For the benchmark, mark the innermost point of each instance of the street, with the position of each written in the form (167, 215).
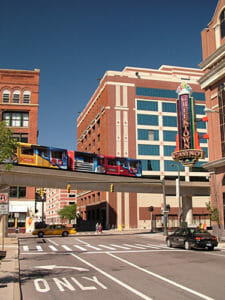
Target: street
(126, 266)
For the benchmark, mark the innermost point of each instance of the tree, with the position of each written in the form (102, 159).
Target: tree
(214, 216)
(7, 145)
(68, 212)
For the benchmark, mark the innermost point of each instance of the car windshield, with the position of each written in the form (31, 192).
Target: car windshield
(197, 231)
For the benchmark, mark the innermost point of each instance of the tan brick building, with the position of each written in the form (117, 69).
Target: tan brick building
(19, 91)
(213, 82)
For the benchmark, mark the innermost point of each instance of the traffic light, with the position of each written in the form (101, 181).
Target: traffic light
(68, 188)
(111, 187)
(41, 192)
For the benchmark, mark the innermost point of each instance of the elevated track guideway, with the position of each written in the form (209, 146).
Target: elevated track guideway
(53, 178)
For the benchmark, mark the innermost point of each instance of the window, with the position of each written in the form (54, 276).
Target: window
(98, 137)
(150, 165)
(98, 124)
(17, 192)
(169, 107)
(57, 154)
(169, 136)
(16, 96)
(148, 135)
(200, 109)
(169, 121)
(148, 149)
(222, 24)
(27, 151)
(21, 137)
(168, 150)
(147, 120)
(26, 97)
(16, 119)
(147, 105)
(5, 96)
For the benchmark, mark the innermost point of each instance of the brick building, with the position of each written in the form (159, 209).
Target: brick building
(19, 91)
(133, 114)
(213, 82)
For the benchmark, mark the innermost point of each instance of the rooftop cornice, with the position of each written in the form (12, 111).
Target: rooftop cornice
(213, 58)
(212, 165)
(212, 76)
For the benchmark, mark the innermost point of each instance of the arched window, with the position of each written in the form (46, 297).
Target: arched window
(26, 97)
(16, 96)
(5, 96)
(222, 24)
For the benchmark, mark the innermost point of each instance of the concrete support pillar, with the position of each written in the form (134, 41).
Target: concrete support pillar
(187, 209)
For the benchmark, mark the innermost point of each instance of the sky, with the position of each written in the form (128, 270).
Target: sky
(74, 42)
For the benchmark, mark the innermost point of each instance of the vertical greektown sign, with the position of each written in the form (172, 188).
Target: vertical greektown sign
(188, 150)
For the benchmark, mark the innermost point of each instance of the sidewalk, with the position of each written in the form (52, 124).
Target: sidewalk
(9, 266)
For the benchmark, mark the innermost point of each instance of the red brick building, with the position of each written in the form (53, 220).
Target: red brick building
(133, 114)
(19, 91)
(213, 82)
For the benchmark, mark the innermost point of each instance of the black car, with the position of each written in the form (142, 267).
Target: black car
(192, 238)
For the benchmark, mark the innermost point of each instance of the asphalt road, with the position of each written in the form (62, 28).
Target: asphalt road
(118, 267)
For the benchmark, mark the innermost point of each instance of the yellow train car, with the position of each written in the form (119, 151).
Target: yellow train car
(41, 156)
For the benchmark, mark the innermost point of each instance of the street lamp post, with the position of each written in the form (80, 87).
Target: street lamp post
(178, 191)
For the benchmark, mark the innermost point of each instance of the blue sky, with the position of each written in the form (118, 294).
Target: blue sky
(74, 42)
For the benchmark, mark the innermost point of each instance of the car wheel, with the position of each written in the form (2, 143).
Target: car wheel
(65, 233)
(40, 234)
(211, 248)
(187, 245)
(169, 243)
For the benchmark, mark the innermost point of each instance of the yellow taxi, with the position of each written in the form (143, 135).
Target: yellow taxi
(57, 229)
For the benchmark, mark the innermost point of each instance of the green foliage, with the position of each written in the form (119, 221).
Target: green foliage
(68, 212)
(7, 144)
(214, 213)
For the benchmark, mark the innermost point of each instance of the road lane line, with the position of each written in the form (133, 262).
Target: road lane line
(67, 248)
(93, 247)
(133, 246)
(52, 248)
(107, 247)
(80, 248)
(39, 248)
(162, 278)
(148, 245)
(126, 286)
(53, 242)
(119, 246)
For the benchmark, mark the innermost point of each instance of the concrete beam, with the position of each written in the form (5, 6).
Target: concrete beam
(53, 178)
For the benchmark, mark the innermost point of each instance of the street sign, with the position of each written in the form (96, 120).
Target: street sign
(3, 198)
(4, 209)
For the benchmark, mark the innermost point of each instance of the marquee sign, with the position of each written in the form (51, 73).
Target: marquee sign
(188, 150)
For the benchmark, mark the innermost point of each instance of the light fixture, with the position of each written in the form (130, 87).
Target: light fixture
(210, 110)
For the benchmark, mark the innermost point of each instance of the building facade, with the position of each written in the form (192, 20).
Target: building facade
(56, 199)
(213, 83)
(133, 114)
(19, 91)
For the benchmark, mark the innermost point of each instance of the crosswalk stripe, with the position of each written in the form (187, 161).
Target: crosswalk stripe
(67, 248)
(133, 246)
(107, 247)
(25, 248)
(119, 246)
(53, 248)
(79, 247)
(39, 248)
(96, 248)
(148, 246)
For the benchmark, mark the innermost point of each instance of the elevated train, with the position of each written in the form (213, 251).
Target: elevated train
(51, 157)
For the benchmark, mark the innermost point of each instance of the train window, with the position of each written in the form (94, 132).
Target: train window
(111, 162)
(43, 152)
(133, 164)
(27, 151)
(57, 154)
(122, 161)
